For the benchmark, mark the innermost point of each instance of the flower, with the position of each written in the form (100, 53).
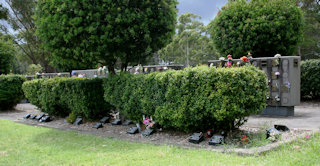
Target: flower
(229, 56)
(146, 121)
(244, 58)
(307, 136)
(277, 73)
(222, 58)
(277, 56)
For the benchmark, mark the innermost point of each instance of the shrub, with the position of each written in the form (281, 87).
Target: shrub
(64, 96)
(263, 27)
(10, 91)
(189, 100)
(310, 79)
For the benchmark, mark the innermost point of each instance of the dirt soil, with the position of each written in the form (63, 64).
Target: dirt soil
(171, 138)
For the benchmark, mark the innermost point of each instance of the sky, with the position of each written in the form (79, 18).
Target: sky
(207, 9)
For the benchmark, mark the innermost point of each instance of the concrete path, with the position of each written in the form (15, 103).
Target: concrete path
(307, 116)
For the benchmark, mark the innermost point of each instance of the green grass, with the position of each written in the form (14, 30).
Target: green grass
(28, 145)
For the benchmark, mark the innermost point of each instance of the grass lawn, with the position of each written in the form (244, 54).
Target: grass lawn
(27, 145)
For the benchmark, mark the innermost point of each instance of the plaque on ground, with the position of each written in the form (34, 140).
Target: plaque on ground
(97, 125)
(27, 116)
(78, 121)
(116, 122)
(45, 119)
(33, 116)
(39, 116)
(104, 120)
(281, 128)
(196, 138)
(133, 130)
(216, 139)
(272, 131)
(127, 122)
(147, 132)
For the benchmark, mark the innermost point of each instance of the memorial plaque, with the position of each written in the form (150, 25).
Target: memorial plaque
(78, 121)
(133, 130)
(274, 88)
(216, 139)
(147, 132)
(281, 128)
(45, 119)
(196, 138)
(39, 116)
(274, 76)
(33, 116)
(272, 131)
(104, 120)
(116, 122)
(27, 116)
(127, 123)
(97, 126)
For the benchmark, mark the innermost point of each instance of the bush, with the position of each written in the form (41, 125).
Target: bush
(64, 96)
(10, 91)
(7, 52)
(263, 27)
(310, 79)
(190, 100)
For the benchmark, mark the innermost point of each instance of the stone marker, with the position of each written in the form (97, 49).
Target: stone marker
(281, 128)
(27, 116)
(104, 120)
(97, 125)
(116, 122)
(133, 130)
(45, 119)
(78, 121)
(273, 132)
(216, 139)
(127, 123)
(147, 132)
(196, 138)
(33, 116)
(39, 116)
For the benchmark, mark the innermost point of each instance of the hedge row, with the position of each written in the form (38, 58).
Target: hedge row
(190, 100)
(68, 96)
(10, 91)
(310, 79)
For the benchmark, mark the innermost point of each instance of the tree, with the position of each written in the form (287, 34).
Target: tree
(20, 25)
(191, 45)
(80, 34)
(310, 47)
(262, 27)
(3, 12)
(7, 52)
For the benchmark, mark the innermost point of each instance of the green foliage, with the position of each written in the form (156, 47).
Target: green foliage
(65, 96)
(310, 79)
(191, 45)
(190, 100)
(33, 69)
(262, 27)
(79, 34)
(7, 52)
(10, 91)
(3, 12)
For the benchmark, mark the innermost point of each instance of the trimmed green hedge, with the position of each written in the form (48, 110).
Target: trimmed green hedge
(190, 100)
(10, 91)
(65, 96)
(310, 79)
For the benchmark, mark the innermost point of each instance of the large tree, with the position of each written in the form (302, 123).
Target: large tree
(80, 34)
(7, 52)
(262, 27)
(191, 44)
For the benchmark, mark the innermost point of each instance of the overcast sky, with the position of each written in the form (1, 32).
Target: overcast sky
(207, 9)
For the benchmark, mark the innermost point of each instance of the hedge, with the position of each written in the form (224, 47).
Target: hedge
(192, 99)
(65, 96)
(310, 79)
(10, 91)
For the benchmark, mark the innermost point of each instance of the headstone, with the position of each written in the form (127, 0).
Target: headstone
(116, 122)
(281, 128)
(196, 138)
(104, 120)
(127, 123)
(272, 132)
(216, 139)
(27, 116)
(45, 119)
(33, 116)
(39, 116)
(133, 130)
(147, 132)
(78, 121)
(97, 126)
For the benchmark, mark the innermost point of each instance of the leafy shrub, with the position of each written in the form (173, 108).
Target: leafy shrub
(7, 52)
(10, 90)
(33, 69)
(263, 27)
(189, 100)
(310, 79)
(64, 96)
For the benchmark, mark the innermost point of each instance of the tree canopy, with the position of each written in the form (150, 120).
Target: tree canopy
(262, 27)
(80, 34)
(7, 52)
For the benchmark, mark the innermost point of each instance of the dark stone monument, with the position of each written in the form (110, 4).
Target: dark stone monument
(45, 119)
(133, 130)
(78, 121)
(147, 132)
(127, 122)
(216, 139)
(281, 128)
(196, 138)
(97, 126)
(39, 116)
(104, 120)
(33, 116)
(27, 116)
(116, 122)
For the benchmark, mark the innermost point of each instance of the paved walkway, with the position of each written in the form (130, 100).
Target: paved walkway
(307, 116)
